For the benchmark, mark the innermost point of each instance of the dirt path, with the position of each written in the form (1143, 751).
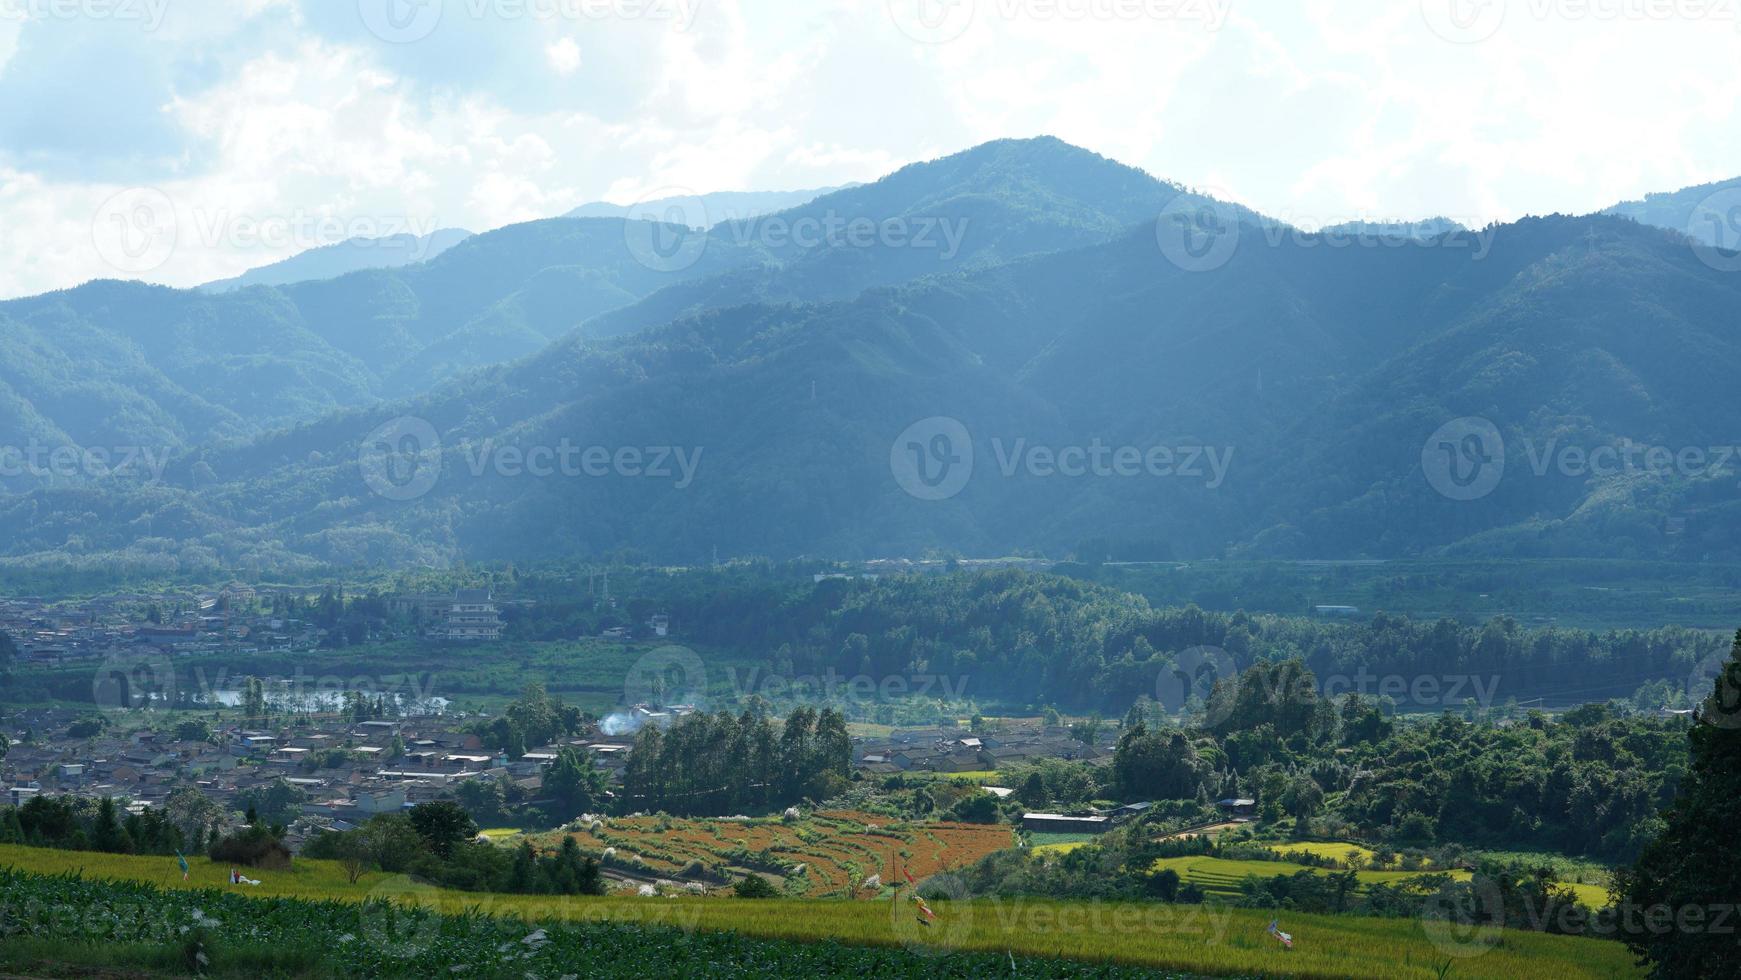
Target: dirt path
(1211, 830)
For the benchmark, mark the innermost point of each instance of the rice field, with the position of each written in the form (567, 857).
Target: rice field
(1201, 940)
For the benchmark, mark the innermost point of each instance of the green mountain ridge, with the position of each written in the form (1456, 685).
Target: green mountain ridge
(1296, 382)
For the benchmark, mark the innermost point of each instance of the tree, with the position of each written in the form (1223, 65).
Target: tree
(574, 783)
(8, 651)
(276, 803)
(1087, 730)
(254, 698)
(443, 825)
(754, 886)
(193, 731)
(1694, 866)
(192, 812)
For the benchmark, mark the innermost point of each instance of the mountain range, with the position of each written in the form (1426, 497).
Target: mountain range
(816, 380)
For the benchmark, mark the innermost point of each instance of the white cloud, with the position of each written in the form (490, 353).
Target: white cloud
(564, 56)
(283, 111)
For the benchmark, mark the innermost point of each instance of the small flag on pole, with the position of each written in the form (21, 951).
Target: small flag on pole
(1286, 940)
(183, 862)
(909, 875)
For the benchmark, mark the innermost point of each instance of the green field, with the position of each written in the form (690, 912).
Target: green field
(1059, 843)
(1222, 876)
(1194, 939)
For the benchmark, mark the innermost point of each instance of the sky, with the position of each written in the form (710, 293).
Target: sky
(181, 141)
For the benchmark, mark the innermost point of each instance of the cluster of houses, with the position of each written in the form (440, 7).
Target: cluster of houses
(947, 750)
(385, 765)
(104, 627)
(235, 619)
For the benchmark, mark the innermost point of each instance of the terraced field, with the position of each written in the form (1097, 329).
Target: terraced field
(830, 854)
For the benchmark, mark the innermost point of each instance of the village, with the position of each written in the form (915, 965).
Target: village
(327, 765)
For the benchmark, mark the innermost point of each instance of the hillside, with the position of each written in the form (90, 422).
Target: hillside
(339, 258)
(1278, 401)
(113, 364)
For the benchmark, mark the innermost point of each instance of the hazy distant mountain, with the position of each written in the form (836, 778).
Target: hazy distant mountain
(332, 261)
(1710, 213)
(124, 363)
(705, 210)
(1305, 387)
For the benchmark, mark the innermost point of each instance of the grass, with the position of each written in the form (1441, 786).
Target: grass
(1209, 940)
(1059, 843)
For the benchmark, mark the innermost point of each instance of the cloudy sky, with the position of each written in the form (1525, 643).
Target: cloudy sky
(269, 126)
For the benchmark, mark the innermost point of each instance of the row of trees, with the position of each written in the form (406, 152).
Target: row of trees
(1031, 638)
(715, 764)
(437, 842)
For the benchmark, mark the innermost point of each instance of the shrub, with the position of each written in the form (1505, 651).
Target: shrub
(754, 886)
